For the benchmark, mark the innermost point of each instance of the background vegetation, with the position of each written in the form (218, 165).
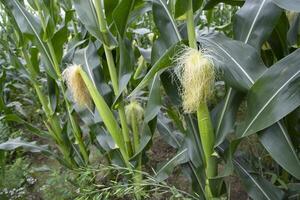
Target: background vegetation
(133, 140)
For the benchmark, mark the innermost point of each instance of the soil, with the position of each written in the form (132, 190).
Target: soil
(161, 152)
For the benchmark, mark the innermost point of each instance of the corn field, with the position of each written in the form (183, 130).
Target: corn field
(150, 99)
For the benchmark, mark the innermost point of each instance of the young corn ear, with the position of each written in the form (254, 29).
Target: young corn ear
(77, 86)
(196, 73)
(134, 109)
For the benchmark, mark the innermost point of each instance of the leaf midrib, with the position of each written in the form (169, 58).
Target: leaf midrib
(34, 31)
(268, 102)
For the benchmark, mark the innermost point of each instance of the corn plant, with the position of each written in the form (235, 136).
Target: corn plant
(108, 73)
(247, 71)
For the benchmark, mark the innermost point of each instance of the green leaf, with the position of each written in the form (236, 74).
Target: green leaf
(278, 38)
(224, 115)
(294, 31)
(293, 5)
(109, 7)
(239, 62)
(53, 92)
(181, 7)
(139, 10)
(126, 64)
(13, 144)
(30, 127)
(267, 103)
(165, 23)
(154, 100)
(169, 134)
(121, 15)
(255, 21)
(30, 26)
(162, 63)
(278, 143)
(166, 168)
(257, 187)
(58, 41)
(87, 14)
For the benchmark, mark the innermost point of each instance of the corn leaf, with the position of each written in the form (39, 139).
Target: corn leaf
(293, 5)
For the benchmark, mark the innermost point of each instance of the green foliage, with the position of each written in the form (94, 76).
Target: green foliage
(16, 182)
(57, 186)
(127, 50)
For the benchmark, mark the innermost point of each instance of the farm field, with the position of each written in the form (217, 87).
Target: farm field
(149, 99)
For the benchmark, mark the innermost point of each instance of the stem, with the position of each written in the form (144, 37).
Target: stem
(113, 76)
(74, 125)
(55, 129)
(107, 116)
(207, 138)
(203, 115)
(191, 25)
(136, 139)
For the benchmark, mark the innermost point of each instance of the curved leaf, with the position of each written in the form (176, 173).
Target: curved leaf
(30, 26)
(255, 21)
(171, 136)
(164, 22)
(126, 64)
(30, 127)
(254, 32)
(278, 38)
(275, 139)
(88, 16)
(154, 100)
(240, 62)
(257, 187)
(293, 32)
(268, 103)
(121, 15)
(293, 5)
(224, 115)
(162, 63)
(13, 144)
(167, 168)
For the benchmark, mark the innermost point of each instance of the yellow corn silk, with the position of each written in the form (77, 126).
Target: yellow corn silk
(197, 76)
(77, 86)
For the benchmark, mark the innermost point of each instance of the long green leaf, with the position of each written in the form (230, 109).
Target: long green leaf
(164, 21)
(268, 103)
(293, 5)
(224, 115)
(275, 139)
(121, 15)
(154, 100)
(163, 62)
(257, 187)
(29, 25)
(13, 144)
(166, 169)
(255, 21)
(88, 16)
(255, 31)
(240, 62)
(30, 127)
